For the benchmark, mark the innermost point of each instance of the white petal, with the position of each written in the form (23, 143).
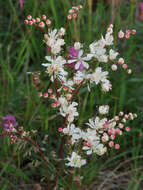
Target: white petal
(80, 53)
(72, 60)
(48, 58)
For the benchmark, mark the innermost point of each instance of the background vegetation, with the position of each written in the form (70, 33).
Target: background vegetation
(22, 50)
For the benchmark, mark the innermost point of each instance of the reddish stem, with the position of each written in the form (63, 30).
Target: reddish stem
(76, 91)
(59, 163)
(42, 156)
(55, 85)
(70, 178)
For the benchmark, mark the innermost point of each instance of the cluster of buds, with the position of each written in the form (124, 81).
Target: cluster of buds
(126, 34)
(73, 12)
(40, 22)
(113, 54)
(49, 94)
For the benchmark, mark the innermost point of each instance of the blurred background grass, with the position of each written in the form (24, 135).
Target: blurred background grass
(22, 50)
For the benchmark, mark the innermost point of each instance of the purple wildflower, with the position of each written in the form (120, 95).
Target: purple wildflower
(75, 59)
(141, 5)
(9, 122)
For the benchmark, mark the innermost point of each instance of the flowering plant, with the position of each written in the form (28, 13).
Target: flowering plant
(70, 69)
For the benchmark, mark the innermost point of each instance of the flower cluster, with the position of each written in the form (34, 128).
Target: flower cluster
(73, 12)
(70, 67)
(69, 71)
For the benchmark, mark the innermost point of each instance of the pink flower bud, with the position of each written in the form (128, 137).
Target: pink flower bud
(111, 143)
(71, 11)
(37, 19)
(42, 24)
(45, 94)
(105, 125)
(44, 17)
(133, 31)
(40, 94)
(127, 35)
(89, 144)
(117, 146)
(110, 132)
(20, 128)
(69, 17)
(127, 129)
(111, 25)
(128, 31)
(121, 113)
(46, 36)
(25, 21)
(30, 23)
(29, 17)
(48, 22)
(53, 105)
(117, 130)
(120, 61)
(80, 6)
(60, 129)
(74, 15)
(50, 90)
(112, 137)
(33, 20)
(68, 96)
(62, 82)
(121, 125)
(65, 88)
(114, 67)
(57, 102)
(52, 96)
(125, 66)
(76, 8)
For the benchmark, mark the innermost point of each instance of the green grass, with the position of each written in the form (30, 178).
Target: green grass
(22, 50)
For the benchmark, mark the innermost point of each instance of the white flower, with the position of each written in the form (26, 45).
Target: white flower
(75, 132)
(103, 109)
(54, 41)
(112, 54)
(67, 109)
(77, 45)
(75, 160)
(103, 58)
(80, 76)
(106, 86)
(96, 123)
(61, 31)
(98, 50)
(109, 39)
(121, 34)
(98, 76)
(100, 149)
(56, 66)
(72, 111)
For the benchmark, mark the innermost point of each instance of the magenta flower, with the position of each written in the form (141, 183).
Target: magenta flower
(75, 59)
(141, 5)
(9, 122)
